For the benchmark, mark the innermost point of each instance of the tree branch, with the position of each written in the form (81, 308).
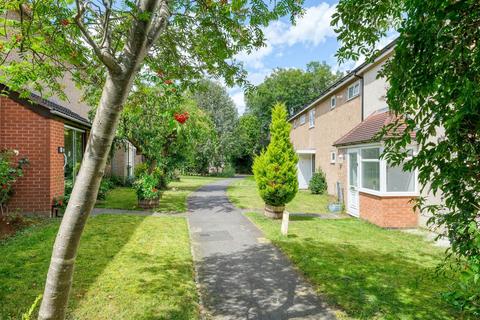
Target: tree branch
(102, 52)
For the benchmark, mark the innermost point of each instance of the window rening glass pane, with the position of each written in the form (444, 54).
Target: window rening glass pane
(353, 167)
(371, 175)
(399, 180)
(371, 153)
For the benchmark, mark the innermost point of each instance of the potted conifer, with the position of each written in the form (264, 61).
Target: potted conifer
(275, 169)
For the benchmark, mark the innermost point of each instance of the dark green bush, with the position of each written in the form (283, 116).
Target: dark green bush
(105, 186)
(318, 183)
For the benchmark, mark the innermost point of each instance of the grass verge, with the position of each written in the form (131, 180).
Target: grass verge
(173, 200)
(369, 272)
(244, 194)
(128, 267)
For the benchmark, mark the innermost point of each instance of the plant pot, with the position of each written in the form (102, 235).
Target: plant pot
(148, 203)
(335, 207)
(274, 212)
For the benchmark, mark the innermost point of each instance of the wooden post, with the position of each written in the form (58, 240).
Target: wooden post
(285, 219)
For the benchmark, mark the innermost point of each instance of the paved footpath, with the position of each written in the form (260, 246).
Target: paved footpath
(241, 275)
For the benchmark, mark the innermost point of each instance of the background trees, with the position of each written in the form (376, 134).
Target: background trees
(294, 87)
(214, 100)
(434, 90)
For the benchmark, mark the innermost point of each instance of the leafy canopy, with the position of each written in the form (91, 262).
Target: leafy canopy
(275, 169)
(42, 40)
(434, 76)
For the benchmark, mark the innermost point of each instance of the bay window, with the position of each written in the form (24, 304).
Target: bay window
(380, 178)
(371, 168)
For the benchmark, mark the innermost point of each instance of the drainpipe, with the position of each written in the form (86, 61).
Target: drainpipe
(361, 93)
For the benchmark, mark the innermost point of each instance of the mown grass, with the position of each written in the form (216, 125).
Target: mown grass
(368, 272)
(173, 200)
(128, 267)
(244, 194)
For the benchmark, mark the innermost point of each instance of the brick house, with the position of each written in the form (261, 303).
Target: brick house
(335, 133)
(52, 134)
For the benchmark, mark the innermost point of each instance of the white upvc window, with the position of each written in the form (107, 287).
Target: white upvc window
(294, 123)
(302, 119)
(333, 157)
(333, 102)
(353, 90)
(311, 118)
(379, 178)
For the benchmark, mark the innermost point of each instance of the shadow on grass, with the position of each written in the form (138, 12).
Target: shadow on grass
(25, 260)
(370, 284)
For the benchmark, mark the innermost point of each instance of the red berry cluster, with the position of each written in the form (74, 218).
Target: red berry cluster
(181, 117)
(64, 22)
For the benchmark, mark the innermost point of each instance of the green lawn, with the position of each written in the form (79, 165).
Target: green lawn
(128, 267)
(243, 193)
(173, 200)
(368, 272)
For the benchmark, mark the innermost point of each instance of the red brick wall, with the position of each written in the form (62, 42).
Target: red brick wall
(56, 159)
(37, 138)
(388, 212)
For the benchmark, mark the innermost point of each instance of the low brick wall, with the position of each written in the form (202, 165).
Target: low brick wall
(388, 212)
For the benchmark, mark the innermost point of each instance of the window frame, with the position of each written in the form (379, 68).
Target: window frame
(333, 102)
(383, 174)
(353, 86)
(333, 157)
(311, 118)
(302, 119)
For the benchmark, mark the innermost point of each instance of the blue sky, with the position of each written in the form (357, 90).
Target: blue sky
(293, 46)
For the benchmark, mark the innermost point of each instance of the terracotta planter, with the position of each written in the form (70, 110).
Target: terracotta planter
(148, 204)
(274, 212)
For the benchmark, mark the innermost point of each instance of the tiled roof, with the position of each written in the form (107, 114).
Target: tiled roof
(365, 132)
(58, 109)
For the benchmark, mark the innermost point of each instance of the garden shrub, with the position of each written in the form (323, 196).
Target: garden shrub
(10, 171)
(105, 185)
(318, 182)
(140, 169)
(275, 169)
(146, 187)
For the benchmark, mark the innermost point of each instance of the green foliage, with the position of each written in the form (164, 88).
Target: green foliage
(214, 100)
(434, 90)
(294, 87)
(140, 169)
(318, 182)
(9, 174)
(247, 137)
(149, 121)
(146, 187)
(105, 185)
(275, 169)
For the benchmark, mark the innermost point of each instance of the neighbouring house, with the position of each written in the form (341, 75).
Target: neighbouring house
(52, 134)
(336, 133)
(123, 161)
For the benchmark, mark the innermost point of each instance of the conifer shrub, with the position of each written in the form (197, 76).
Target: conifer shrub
(318, 182)
(275, 169)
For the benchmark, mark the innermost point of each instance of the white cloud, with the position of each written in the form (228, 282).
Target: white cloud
(239, 99)
(312, 28)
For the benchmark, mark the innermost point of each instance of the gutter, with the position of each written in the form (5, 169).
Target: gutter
(62, 115)
(362, 101)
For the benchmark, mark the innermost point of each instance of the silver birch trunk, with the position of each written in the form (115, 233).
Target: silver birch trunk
(84, 195)
(122, 72)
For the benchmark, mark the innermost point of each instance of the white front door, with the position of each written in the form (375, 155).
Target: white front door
(305, 170)
(352, 194)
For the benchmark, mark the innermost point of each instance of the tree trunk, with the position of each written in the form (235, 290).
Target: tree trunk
(84, 195)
